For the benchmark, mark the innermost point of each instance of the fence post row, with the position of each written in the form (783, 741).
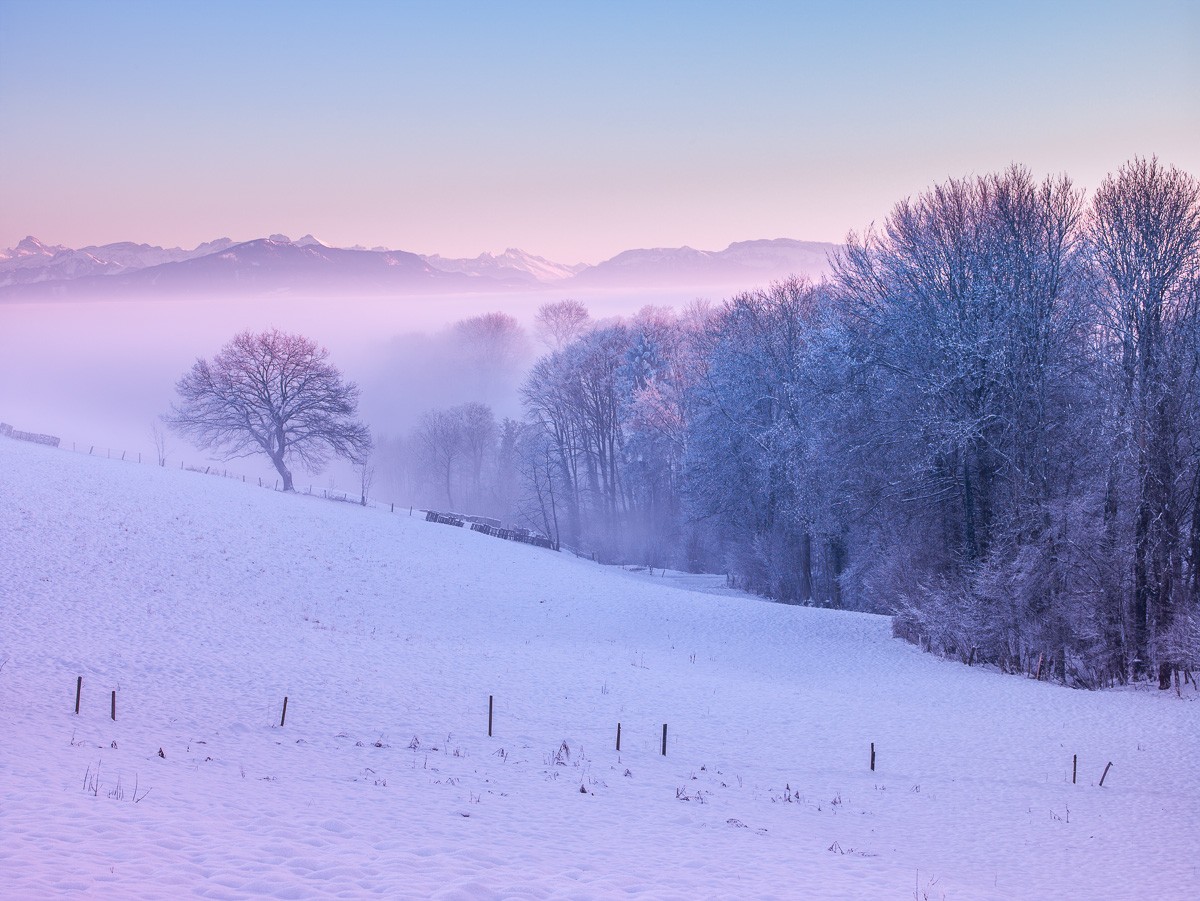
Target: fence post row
(491, 713)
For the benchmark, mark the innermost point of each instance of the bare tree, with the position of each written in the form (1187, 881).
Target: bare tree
(160, 444)
(576, 396)
(493, 345)
(548, 398)
(440, 436)
(275, 394)
(560, 323)
(478, 425)
(366, 478)
(538, 461)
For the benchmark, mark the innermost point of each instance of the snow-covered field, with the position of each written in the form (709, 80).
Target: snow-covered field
(203, 602)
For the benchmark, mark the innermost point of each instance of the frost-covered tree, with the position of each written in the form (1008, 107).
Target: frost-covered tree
(556, 456)
(752, 444)
(275, 394)
(662, 366)
(970, 318)
(1145, 229)
(609, 406)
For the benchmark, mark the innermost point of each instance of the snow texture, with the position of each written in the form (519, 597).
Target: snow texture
(203, 602)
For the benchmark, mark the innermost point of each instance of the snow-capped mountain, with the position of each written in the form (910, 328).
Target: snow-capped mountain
(30, 250)
(273, 265)
(31, 261)
(513, 263)
(33, 270)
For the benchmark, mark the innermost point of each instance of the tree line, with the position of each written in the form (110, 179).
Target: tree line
(985, 422)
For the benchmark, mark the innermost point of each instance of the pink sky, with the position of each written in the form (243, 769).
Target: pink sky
(571, 131)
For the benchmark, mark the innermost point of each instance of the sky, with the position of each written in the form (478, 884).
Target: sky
(570, 130)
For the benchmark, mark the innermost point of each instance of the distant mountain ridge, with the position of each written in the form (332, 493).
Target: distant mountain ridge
(513, 263)
(33, 270)
(32, 261)
(744, 263)
(266, 266)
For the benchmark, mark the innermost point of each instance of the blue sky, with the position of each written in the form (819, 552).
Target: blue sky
(572, 130)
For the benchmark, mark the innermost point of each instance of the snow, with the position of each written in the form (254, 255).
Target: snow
(203, 602)
(513, 261)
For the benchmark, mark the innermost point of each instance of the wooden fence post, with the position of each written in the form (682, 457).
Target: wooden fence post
(78, 692)
(283, 716)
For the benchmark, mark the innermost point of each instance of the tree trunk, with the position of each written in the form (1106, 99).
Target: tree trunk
(806, 574)
(1114, 603)
(1141, 588)
(1164, 675)
(284, 473)
(1194, 554)
(969, 546)
(837, 566)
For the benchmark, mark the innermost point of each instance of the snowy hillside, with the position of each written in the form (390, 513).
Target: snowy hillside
(203, 602)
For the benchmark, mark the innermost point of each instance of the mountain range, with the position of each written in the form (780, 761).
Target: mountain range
(278, 265)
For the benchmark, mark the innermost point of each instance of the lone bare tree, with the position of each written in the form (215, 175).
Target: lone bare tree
(276, 394)
(440, 437)
(160, 443)
(493, 347)
(560, 323)
(366, 478)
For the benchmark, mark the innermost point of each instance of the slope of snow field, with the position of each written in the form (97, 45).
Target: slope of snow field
(203, 602)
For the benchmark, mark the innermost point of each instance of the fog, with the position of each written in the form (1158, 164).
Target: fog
(98, 374)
